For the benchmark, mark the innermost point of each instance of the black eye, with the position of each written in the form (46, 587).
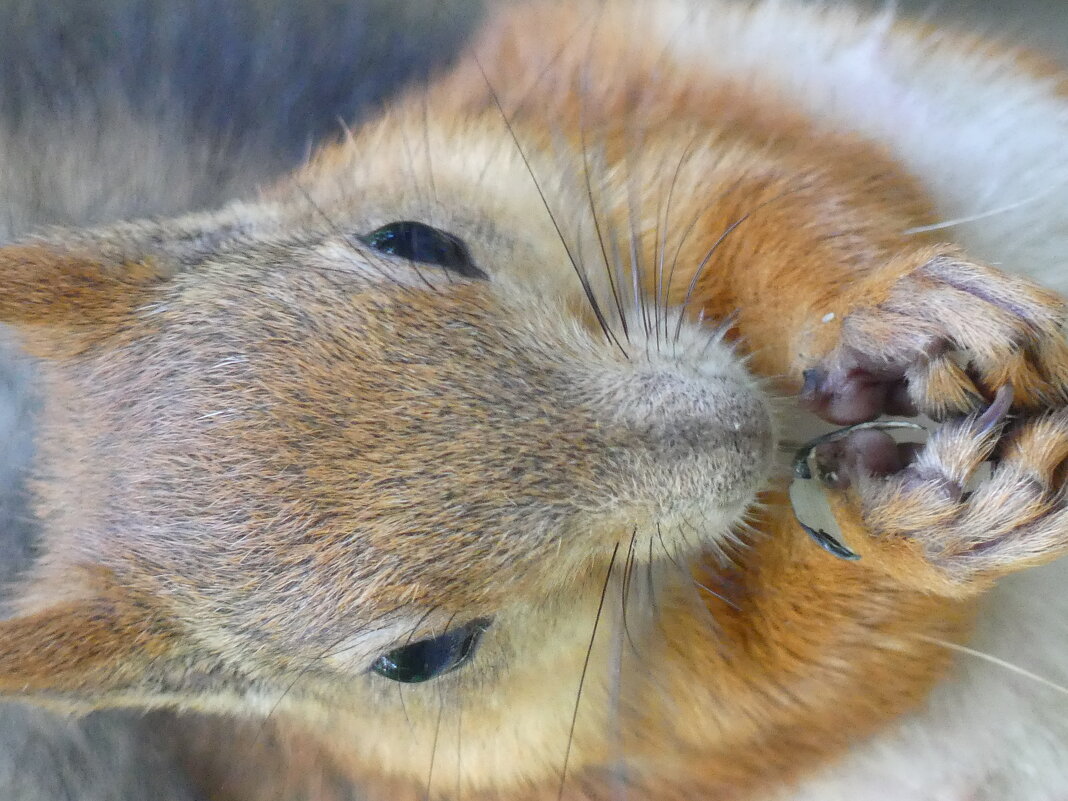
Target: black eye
(424, 244)
(428, 659)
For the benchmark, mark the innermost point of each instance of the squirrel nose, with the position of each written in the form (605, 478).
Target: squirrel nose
(734, 439)
(706, 439)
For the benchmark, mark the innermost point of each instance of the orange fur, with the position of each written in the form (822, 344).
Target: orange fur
(340, 451)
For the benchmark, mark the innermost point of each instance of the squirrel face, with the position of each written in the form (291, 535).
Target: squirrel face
(428, 461)
(324, 447)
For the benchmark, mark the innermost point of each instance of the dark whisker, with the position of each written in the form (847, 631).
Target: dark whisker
(617, 270)
(651, 586)
(689, 230)
(583, 279)
(713, 623)
(689, 574)
(592, 202)
(459, 748)
(718, 334)
(551, 62)
(414, 180)
(685, 573)
(628, 567)
(661, 245)
(670, 47)
(633, 216)
(400, 685)
(434, 745)
(366, 627)
(426, 140)
(660, 536)
(419, 623)
(657, 287)
(585, 667)
(404, 706)
(715, 246)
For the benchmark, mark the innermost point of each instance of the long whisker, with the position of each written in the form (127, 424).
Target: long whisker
(400, 686)
(526, 93)
(597, 226)
(617, 270)
(585, 667)
(413, 178)
(719, 333)
(651, 585)
(939, 226)
(459, 749)
(689, 230)
(640, 298)
(617, 766)
(730, 229)
(993, 660)
(661, 245)
(633, 216)
(434, 745)
(583, 278)
(628, 569)
(689, 575)
(426, 135)
(555, 57)
(583, 94)
(657, 287)
(717, 595)
(423, 199)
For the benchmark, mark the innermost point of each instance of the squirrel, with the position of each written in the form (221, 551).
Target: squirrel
(449, 466)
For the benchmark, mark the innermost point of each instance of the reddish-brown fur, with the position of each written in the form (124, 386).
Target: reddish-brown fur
(805, 656)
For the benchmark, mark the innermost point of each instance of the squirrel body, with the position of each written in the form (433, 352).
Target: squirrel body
(512, 362)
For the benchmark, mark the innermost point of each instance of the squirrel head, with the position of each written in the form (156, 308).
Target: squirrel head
(403, 419)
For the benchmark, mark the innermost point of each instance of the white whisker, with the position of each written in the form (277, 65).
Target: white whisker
(964, 649)
(923, 229)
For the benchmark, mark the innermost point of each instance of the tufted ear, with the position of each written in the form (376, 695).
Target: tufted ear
(103, 651)
(63, 300)
(71, 649)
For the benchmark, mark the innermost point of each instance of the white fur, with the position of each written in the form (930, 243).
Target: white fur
(983, 136)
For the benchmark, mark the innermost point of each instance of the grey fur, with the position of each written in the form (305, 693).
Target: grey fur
(103, 758)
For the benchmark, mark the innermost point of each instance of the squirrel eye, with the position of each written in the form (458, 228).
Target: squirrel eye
(419, 242)
(428, 659)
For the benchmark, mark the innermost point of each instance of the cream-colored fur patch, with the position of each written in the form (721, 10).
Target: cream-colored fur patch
(989, 142)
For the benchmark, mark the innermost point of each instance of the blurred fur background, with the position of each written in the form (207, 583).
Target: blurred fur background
(120, 108)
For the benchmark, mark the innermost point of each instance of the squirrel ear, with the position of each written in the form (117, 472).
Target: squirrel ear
(63, 300)
(95, 653)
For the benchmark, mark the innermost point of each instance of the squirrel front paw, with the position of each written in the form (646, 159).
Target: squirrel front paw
(928, 516)
(936, 334)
